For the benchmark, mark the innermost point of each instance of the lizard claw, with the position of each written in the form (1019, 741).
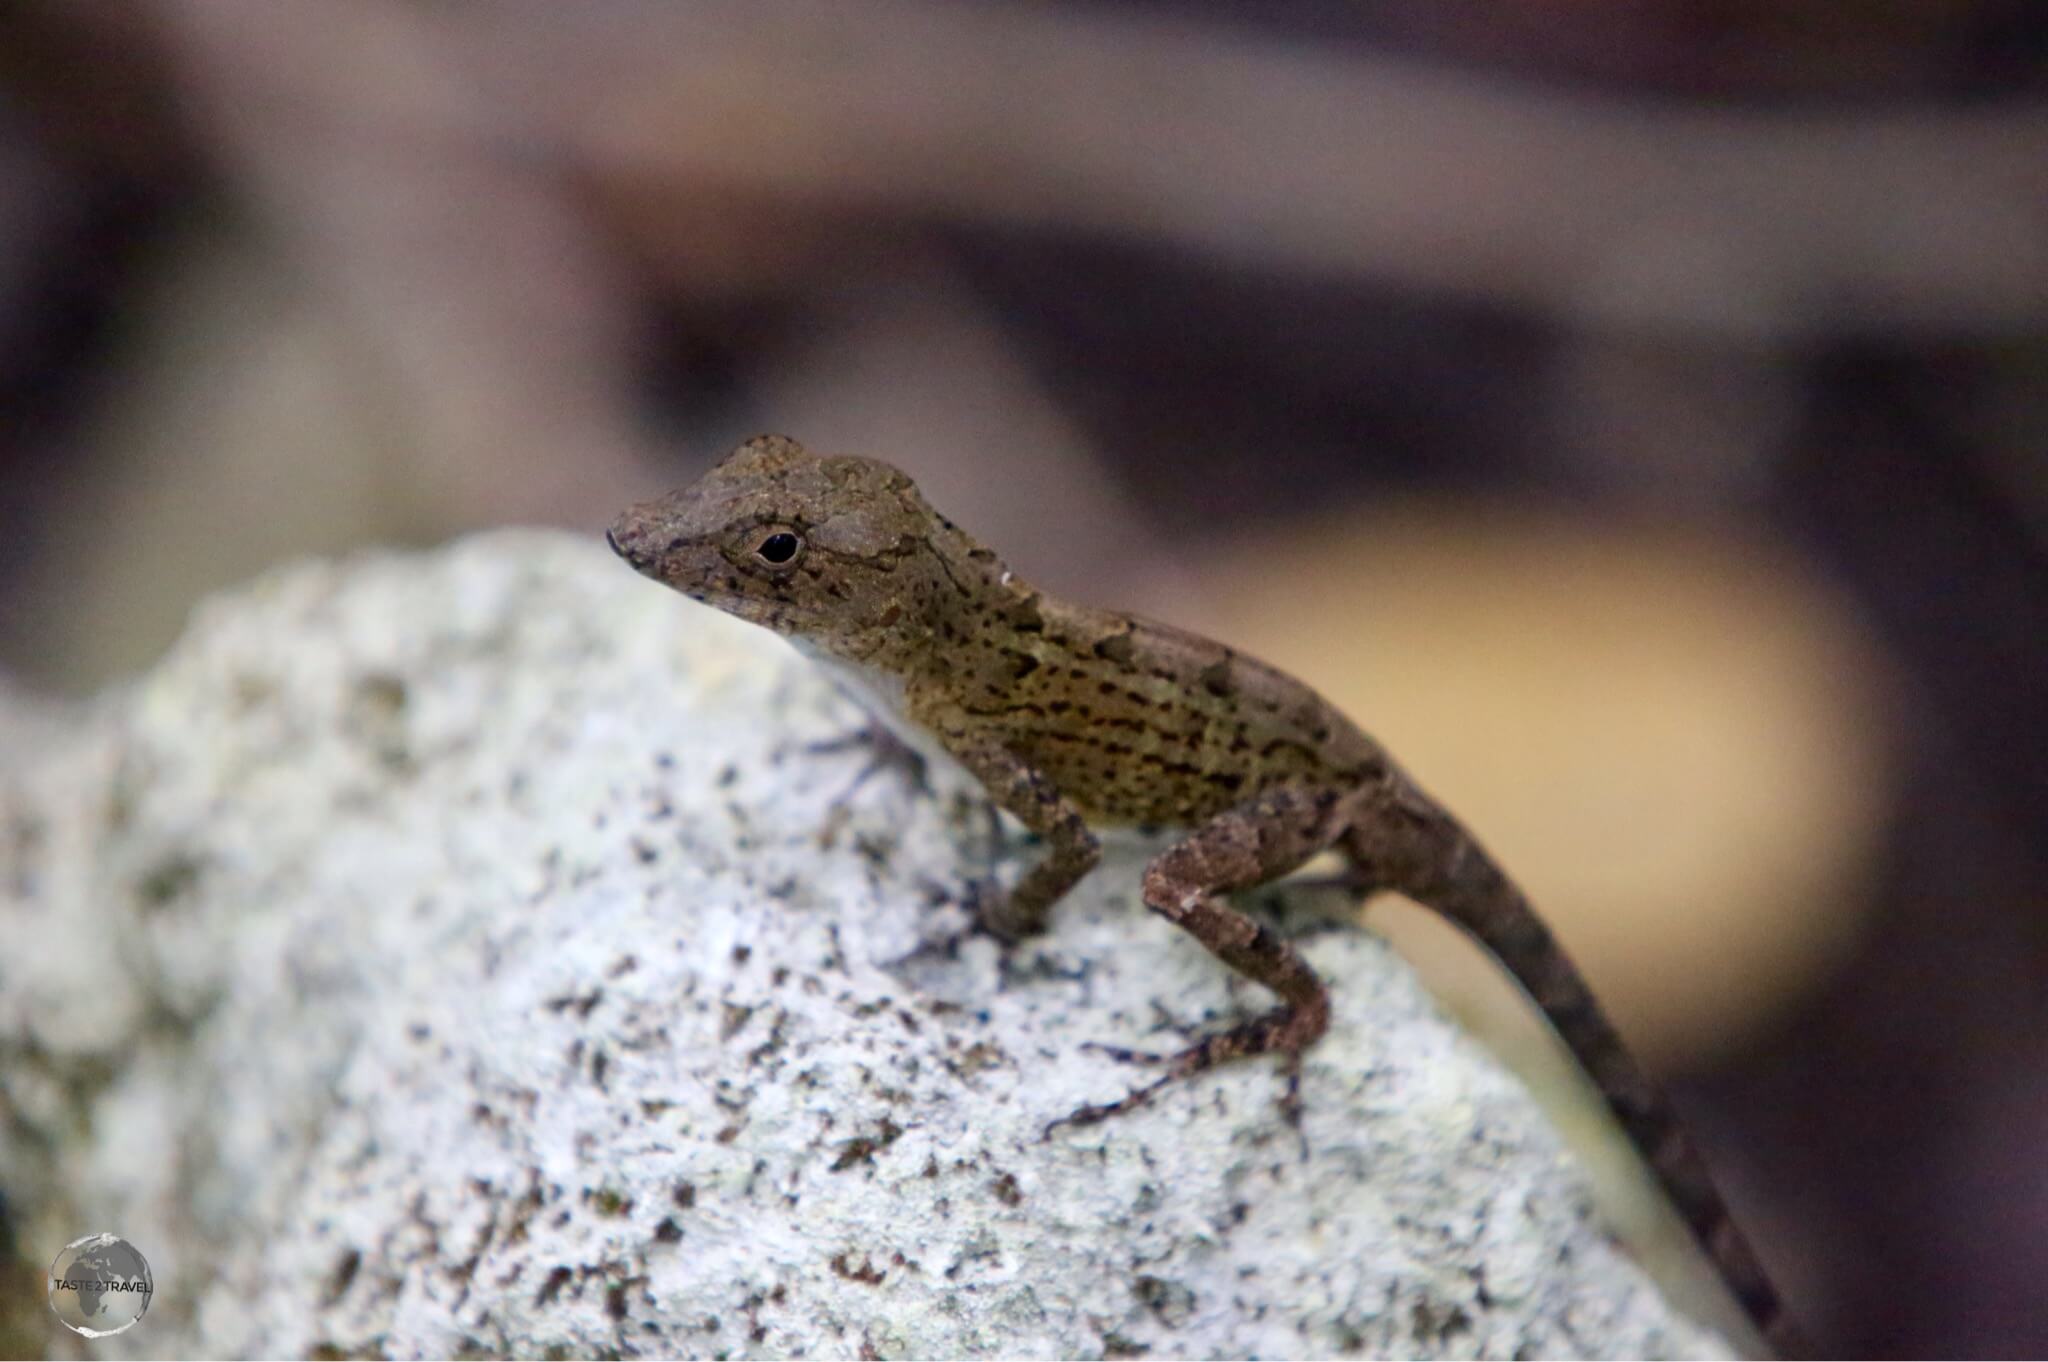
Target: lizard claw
(1096, 1113)
(1125, 1056)
(941, 948)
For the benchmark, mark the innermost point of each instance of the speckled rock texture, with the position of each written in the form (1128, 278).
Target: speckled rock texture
(466, 953)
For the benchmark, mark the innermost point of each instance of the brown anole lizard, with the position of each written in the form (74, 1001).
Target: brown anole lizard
(1078, 719)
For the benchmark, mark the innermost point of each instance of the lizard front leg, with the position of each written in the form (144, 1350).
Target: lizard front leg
(1259, 840)
(1020, 789)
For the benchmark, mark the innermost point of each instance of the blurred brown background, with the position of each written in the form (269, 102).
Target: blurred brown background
(1635, 413)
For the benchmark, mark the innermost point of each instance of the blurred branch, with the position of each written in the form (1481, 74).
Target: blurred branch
(1621, 212)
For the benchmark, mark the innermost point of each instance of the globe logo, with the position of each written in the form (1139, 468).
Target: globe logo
(99, 1285)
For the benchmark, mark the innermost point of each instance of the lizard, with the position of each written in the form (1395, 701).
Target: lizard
(1080, 720)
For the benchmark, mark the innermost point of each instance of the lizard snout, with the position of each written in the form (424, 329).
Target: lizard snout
(655, 544)
(630, 539)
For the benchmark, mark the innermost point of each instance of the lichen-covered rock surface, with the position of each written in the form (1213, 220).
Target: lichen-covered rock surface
(465, 953)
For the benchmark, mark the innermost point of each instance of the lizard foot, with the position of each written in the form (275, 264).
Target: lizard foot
(886, 752)
(975, 901)
(1281, 1031)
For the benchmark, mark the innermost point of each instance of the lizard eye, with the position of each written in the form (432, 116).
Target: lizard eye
(779, 548)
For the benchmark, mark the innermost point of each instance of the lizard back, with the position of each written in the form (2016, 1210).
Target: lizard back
(1146, 724)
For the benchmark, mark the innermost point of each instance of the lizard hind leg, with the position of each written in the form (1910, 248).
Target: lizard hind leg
(1259, 840)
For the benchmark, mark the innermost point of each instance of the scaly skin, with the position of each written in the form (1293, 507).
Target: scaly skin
(1077, 719)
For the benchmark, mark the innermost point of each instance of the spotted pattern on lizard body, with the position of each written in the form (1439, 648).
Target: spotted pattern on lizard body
(1078, 719)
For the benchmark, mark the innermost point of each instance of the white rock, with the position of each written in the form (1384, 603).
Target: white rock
(462, 953)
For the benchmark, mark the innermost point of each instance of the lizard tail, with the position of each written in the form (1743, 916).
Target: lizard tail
(1435, 861)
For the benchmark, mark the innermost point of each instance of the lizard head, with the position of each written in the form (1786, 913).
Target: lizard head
(836, 551)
